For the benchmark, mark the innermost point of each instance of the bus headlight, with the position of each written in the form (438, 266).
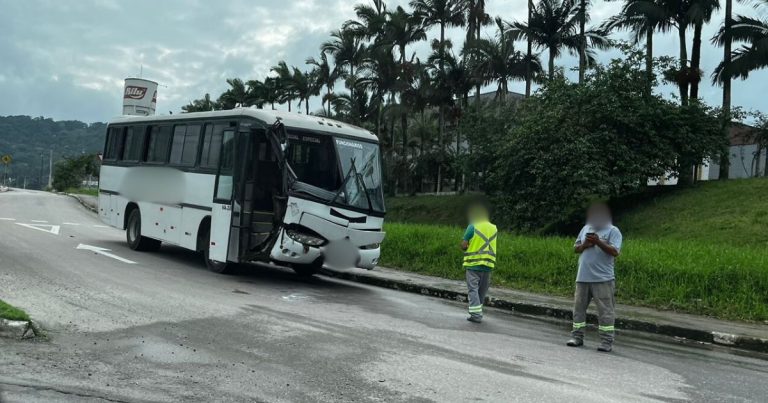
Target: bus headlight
(305, 238)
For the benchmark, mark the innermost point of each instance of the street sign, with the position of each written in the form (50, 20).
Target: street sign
(6, 159)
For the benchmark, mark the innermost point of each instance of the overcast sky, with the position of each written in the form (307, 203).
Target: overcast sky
(68, 59)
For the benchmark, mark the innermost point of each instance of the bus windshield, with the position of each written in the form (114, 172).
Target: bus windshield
(337, 170)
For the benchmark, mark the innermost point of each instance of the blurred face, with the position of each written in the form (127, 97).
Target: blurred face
(599, 216)
(477, 213)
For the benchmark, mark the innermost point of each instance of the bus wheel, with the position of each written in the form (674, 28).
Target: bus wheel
(212, 265)
(133, 234)
(306, 270)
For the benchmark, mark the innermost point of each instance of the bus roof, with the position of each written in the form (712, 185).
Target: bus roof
(290, 120)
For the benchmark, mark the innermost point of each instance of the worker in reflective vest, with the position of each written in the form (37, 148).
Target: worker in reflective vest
(479, 246)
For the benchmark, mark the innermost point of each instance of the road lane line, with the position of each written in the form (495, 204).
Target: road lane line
(7, 219)
(42, 221)
(69, 223)
(104, 252)
(51, 229)
(101, 226)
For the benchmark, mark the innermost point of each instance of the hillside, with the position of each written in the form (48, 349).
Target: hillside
(733, 212)
(25, 138)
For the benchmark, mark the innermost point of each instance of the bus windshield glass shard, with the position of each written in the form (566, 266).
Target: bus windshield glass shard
(337, 170)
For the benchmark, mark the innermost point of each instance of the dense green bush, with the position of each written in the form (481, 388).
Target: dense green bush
(569, 144)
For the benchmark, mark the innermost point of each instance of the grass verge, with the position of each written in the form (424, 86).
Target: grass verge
(720, 280)
(11, 313)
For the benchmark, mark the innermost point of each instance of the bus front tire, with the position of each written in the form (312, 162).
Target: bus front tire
(306, 270)
(214, 266)
(133, 234)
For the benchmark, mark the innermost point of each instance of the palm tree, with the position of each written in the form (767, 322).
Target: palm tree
(286, 89)
(236, 95)
(256, 93)
(496, 60)
(304, 85)
(699, 13)
(371, 20)
(553, 26)
(752, 55)
(271, 94)
(477, 18)
(348, 51)
(529, 52)
(445, 14)
(325, 75)
(739, 63)
(200, 105)
(642, 18)
(403, 29)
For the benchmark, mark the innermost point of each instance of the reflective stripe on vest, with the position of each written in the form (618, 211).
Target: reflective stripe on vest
(481, 250)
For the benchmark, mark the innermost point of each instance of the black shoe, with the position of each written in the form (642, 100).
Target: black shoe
(575, 342)
(475, 319)
(605, 347)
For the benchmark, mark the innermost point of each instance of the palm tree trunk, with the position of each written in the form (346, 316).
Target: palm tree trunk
(683, 82)
(529, 54)
(649, 60)
(583, 40)
(551, 63)
(328, 92)
(725, 160)
(441, 120)
(696, 60)
(306, 104)
(289, 105)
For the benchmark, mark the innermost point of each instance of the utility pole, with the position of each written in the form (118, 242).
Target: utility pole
(40, 179)
(25, 183)
(50, 170)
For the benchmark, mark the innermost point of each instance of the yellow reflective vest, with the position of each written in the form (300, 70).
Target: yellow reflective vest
(481, 250)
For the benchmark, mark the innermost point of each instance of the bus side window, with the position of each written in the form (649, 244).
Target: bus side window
(157, 148)
(224, 181)
(185, 143)
(114, 137)
(209, 157)
(133, 143)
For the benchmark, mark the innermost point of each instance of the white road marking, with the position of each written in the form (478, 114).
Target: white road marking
(69, 223)
(38, 220)
(7, 219)
(52, 229)
(105, 252)
(101, 226)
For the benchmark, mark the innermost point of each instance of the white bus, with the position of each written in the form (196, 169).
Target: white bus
(246, 185)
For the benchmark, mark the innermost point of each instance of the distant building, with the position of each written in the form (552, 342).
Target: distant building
(747, 158)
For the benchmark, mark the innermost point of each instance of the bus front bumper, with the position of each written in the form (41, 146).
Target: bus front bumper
(356, 248)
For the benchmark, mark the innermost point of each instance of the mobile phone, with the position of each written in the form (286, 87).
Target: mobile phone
(591, 233)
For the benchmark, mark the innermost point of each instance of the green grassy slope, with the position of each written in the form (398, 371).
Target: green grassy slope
(11, 312)
(441, 210)
(733, 212)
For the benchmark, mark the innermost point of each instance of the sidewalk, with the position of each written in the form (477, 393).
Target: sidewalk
(88, 201)
(692, 327)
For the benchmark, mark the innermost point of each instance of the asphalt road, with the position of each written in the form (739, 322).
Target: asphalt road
(165, 329)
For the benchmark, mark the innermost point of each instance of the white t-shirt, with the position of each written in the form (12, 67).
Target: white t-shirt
(595, 265)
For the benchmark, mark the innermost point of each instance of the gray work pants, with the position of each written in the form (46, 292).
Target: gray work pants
(603, 294)
(477, 288)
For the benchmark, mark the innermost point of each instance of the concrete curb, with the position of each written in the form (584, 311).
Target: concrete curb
(19, 329)
(535, 309)
(82, 202)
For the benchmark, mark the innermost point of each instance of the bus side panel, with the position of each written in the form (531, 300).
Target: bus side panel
(190, 223)
(150, 220)
(104, 203)
(221, 219)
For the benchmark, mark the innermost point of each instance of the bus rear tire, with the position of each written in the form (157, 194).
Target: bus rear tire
(214, 266)
(136, 241)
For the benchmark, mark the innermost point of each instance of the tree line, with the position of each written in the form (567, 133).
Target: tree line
(415, 105)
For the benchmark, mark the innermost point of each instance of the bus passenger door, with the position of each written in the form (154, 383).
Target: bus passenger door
(221, 215)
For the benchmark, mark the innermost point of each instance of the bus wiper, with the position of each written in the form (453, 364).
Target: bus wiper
(343, 187)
